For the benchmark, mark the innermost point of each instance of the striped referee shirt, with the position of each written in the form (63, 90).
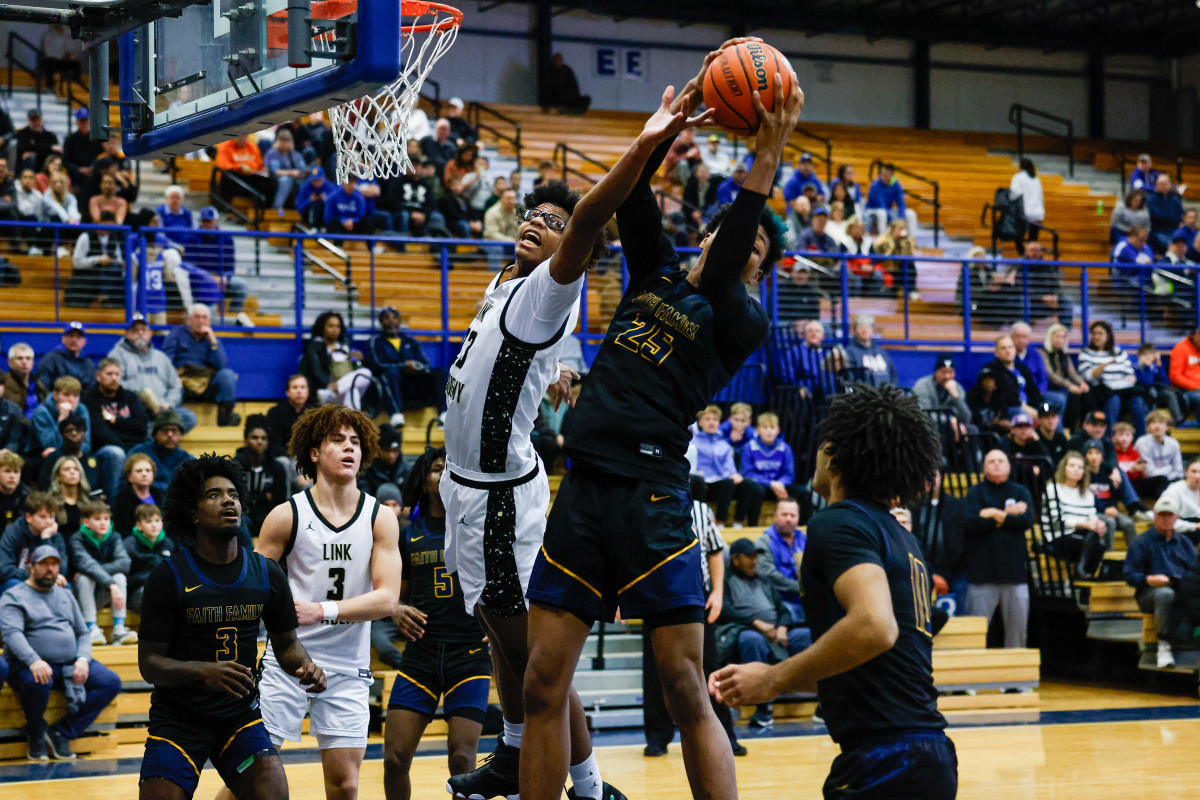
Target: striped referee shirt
(704, 523)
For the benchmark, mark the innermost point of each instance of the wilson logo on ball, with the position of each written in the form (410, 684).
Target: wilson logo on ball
(758, 58)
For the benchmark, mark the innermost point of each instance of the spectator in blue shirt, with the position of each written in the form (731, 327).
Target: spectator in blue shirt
(885, 199)
(1155, 562)
(714, 460)
(1144, 176)
(865, 355)
(1166, 214)
(286, 166)
(212, 250)
(1131, 251)
(67, 360)
(346, 210)
(815, 239)
(1150, 374)
(310, 201)
(164, 448)
(200, 359)
(173, 214)
(1032, 359)
(768, 467)
(780, 551)
(1188, 230)
(396, 358)
(803, 176)
(727, 192)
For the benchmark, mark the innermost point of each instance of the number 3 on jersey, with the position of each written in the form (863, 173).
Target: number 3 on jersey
(647, 340)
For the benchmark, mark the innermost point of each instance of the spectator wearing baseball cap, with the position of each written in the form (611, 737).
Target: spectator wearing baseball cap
(815, 239)
(1049, 429)
(79, 151)
(147, 372)
(1095, 428)
(1026, 449)
(164, 448)
(460, 130)
(989, 412)
(67, 359)
(389, 468)
(940, 391)
(1157, 560)
(34, 142)
(396, 358)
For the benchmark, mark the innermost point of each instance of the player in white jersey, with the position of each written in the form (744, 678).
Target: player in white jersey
(342, 559)
(497, 494)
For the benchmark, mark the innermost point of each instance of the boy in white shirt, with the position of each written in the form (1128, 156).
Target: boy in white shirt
(1163, 456)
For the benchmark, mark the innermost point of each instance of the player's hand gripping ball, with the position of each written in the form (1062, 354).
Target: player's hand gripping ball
(733, 77)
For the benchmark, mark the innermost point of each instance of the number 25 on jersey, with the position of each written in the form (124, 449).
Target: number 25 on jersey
(647, 340)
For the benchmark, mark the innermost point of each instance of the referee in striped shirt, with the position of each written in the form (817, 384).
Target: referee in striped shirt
(660, 729)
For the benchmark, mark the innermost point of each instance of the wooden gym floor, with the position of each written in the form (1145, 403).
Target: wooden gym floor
(1087, 741)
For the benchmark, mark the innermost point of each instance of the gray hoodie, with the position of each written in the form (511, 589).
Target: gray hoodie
(149, 370)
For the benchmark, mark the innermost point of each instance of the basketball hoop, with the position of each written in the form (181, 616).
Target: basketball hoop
(371, 133)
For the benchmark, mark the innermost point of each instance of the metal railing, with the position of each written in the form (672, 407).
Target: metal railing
(992, 216)
(513, 138)
(933, 199)
(1017, 114)
(14, 62)
(1124, 159)
(561, 157)
(257, 198)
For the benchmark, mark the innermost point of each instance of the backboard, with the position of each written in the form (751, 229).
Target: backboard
(221, 70)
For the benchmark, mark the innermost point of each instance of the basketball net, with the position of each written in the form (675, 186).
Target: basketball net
(371, 133)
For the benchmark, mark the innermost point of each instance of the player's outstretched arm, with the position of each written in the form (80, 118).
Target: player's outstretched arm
(384, 598)
(735, 238)
(869, 629)
(602, 200)
(292, 656)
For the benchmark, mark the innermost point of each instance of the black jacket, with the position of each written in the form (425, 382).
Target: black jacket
(381, 472)
(128, 428)
(1009, 389)
(280, 419)
(13, 427)
(996, 553)
(143, 558)
(125, 504)
(267, 489)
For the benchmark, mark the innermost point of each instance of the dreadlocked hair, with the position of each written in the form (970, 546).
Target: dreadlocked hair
(415, 490)
(187, 487)
(557, 193)
(318, 424)
(881, 443)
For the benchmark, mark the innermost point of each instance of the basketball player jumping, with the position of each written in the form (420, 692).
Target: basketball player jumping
(342, 560)
(496, 494)
(867, 597)
(620, 532)
(447, 658)
(198, 644)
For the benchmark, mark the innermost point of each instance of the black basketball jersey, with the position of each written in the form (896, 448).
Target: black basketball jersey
(893, 691)
(434, 590)
(202, 619)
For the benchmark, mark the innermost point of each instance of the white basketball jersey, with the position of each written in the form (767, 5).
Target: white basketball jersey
(328, 563)
(494, 388)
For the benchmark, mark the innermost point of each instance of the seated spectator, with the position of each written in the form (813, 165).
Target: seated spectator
(1032, 359)
(1154, 382)
(1177, 269)
(457, 213)
(1186, 492)
(389, 469)
(242, 171)
(118, 422)
(1166, 213)
(98, 268)
(845, 188)
(1144, 175)
(73, 435)
(200, 359)
(897, 242)
(754, 625)
(816, 239)
(1071, 527)
(38, 525)
(265, 478)
(727, 192)
(71, 487)
(718, 163)
(47, 646)
(1130, 253)
(836, 226)
(173, 214)
(700, 196)
(79, 150)
(147, 372)
(1013, 379)
(101, 567)
(867, 356)
(1063, 378)
(1102, 481)
(715, 461)
(780, 551)
(35, 142)
(1154, 563)
(311, 199)
(682, 154)
(1128, 216)
(499, 187)
(736, 428)
(501, 222)
(398, 361)
(63, 402)
(461, 130)
(61, 205)
(1160, 452)
(52, 166)
(866, 275)
(20, 385)
(107, 201)
(1184, 372)
(462, 166)
(440, 148)
(283, 415)
(1023, 446)
(212, 250)
(412, 199)
(164, 450)
(346, 210)
(135, 491)
(798, 298)
(147, 546)
(30, 206)
(14, 428)
(941, 392)
(1110, 373)
(801, 177)
(1188, 230)
(998, 514)
(768, 469)
(885, 200)
(560, 89)
(330, 364)
(1050, 432)
(12, 491)
(939, 523)
(68, 359)
(287, 167)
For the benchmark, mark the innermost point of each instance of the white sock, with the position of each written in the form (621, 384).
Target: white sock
(513, 731)
(585, 779)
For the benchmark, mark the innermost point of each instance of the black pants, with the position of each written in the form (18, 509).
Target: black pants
(750, 496)
(719, 494)
(660, 728)
(1150, 488)
(362, 227)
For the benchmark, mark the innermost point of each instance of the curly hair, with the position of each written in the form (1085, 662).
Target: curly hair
(317, 331)
(556, 193)
(415, 491)
(187, 487)
(881, 443)
(318, 424)
(768, 220)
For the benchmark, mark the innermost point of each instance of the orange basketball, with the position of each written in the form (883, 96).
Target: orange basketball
(735, 75)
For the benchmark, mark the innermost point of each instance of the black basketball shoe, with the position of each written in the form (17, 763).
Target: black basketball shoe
(497, 776)
(607, 792)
